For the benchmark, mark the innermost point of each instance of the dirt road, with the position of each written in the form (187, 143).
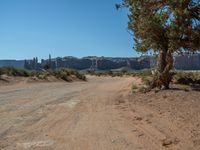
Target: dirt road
(100, 114)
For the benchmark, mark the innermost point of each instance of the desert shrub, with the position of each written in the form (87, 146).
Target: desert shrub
(147, 80)
(139, 88)
(186, 78)
(65, 73)
(145, 75)
(109, 73)
(78, 75)
(99, 74)
(91, 72)
(142, 89)
(42, 75)
(142, 73)
(118, 74)
(61, 74)
(134, 88)
(11, 71)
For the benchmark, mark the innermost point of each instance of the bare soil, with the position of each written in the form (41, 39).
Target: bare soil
(101, 114)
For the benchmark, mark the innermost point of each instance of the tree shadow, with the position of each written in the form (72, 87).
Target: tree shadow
(186, 88)
(195, 87)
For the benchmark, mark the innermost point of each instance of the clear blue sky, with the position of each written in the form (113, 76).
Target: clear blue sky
(78, 28)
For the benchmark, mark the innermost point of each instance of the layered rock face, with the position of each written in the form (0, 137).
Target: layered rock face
(98, 63)
(181, 62)
(187, 62)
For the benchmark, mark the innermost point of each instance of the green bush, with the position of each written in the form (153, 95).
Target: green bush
(147, 80)
(186, 78)
(143, 89)
(11, 71)
(134, 88)
(65, 73)
(42, 75)
(142, 73)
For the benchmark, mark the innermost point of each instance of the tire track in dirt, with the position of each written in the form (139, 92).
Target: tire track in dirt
(100, 114)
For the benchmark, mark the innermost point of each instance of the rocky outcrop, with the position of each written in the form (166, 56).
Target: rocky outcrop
(97, 63)
(182, 62)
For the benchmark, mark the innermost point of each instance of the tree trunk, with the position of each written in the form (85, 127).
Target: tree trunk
(162, 78)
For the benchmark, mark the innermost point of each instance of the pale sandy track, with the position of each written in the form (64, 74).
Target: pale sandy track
(100, 114)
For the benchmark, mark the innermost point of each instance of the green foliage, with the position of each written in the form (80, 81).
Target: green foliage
(11, 71)
(106, 73)
(134, 88)
(142, 89)
(143, 73)
(139, 88)
(63, 74)
(161, 25)
(165, 27)
(41, 75)
(147, 80)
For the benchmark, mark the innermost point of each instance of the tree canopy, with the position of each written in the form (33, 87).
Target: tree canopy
(164, 26)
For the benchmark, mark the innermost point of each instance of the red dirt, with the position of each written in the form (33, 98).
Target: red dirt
(100, 114)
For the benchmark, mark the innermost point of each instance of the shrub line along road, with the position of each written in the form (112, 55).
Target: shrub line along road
(100, 114)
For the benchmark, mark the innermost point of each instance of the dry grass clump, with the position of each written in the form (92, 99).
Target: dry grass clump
(11, 71)
(63, 74)
(104, 73)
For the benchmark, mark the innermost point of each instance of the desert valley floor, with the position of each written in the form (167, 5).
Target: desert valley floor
(100, 114)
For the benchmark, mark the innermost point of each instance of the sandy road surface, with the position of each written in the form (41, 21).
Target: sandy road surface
(100, 114)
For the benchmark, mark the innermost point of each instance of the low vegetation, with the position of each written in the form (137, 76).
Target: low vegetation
(158, 27)
(11, 71)
(179, 77)
(141, 73)
(105, 73)
(187, 78)
(134, 88)
(64, 74)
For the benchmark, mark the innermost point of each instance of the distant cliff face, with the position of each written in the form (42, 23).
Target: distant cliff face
(187, 62)
(97, 63)
(182, 62)
(12, 63)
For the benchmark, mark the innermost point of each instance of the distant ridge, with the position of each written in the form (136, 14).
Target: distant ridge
(182, 62)
(12, 63)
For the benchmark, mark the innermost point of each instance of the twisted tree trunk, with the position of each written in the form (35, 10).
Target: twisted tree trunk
(162, 78)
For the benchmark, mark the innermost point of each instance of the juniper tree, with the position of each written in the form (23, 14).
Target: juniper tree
(165, 27)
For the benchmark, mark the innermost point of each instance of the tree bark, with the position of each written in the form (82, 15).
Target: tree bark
(162, 78)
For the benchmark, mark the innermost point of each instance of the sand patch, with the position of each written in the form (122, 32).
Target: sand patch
(34, 144)
(69, 103)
